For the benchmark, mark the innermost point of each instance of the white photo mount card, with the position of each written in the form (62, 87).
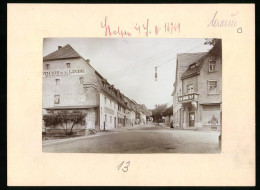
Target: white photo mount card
(149, 95)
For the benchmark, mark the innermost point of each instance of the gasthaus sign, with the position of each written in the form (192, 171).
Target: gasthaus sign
(63, 73)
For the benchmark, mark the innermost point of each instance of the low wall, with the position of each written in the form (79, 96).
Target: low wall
(51, 131)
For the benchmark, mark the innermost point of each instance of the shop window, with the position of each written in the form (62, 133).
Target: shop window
(68, 65)
(57, 81)
(81, 80)
(212, 87)
(190, 89)
(212, 66)
(56, 99)
(47, 66)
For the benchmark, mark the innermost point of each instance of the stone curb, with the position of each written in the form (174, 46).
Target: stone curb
(72, 139)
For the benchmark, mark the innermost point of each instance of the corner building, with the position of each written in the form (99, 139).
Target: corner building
(65, 74)
(199, 97)
(71, 83)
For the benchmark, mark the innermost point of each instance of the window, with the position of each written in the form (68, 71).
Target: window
(110, 119)
(82, 98)
(68, 65)
(56, 99)
(212, 66)
(47, 66)
(212, 87)
(81, 80)
(57, 81)
(190, 88)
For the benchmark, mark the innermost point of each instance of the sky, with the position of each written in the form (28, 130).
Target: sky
(129, 63)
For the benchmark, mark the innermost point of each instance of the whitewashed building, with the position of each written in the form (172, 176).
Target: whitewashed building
(71, 83)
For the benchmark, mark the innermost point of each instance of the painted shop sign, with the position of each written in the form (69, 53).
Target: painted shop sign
(63, 73)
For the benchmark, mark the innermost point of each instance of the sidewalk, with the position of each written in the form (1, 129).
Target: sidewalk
(54, 141)
(127, 127)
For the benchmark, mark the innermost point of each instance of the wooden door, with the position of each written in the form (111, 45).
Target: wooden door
(191, 119)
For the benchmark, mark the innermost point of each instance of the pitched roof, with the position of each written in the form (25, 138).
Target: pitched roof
(185, 59)
(194, 68)
(65, 52)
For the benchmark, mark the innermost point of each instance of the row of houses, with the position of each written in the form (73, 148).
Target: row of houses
(197, 94)
(71, 83)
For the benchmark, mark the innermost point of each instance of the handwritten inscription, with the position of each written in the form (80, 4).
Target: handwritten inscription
(218, 21)
(124, 166)
(144, 29)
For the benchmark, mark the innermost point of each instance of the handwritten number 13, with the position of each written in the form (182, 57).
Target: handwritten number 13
(125, 168)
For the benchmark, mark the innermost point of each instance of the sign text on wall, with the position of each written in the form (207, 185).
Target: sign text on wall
(63, 73)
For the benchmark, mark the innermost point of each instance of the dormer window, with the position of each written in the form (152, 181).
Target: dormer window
(212, 66)
(68, 65)
(192, 66)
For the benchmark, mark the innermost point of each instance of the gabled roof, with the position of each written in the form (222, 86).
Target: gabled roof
(194, 68)
(185, 59)
(66, 52)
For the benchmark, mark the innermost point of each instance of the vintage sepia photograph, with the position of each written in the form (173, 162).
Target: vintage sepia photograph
(132, 95)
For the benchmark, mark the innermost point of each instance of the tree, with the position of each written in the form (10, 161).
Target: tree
(168, 111)
(76, 118)
(158, 111)
(63, 118)
(216, 50)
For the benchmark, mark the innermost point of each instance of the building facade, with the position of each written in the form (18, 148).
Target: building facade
(71, 83)
(200, 95)
(182, 62)
(64, 74)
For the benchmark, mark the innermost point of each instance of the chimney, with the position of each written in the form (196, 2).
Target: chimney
(59, 47)
(88, 61)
